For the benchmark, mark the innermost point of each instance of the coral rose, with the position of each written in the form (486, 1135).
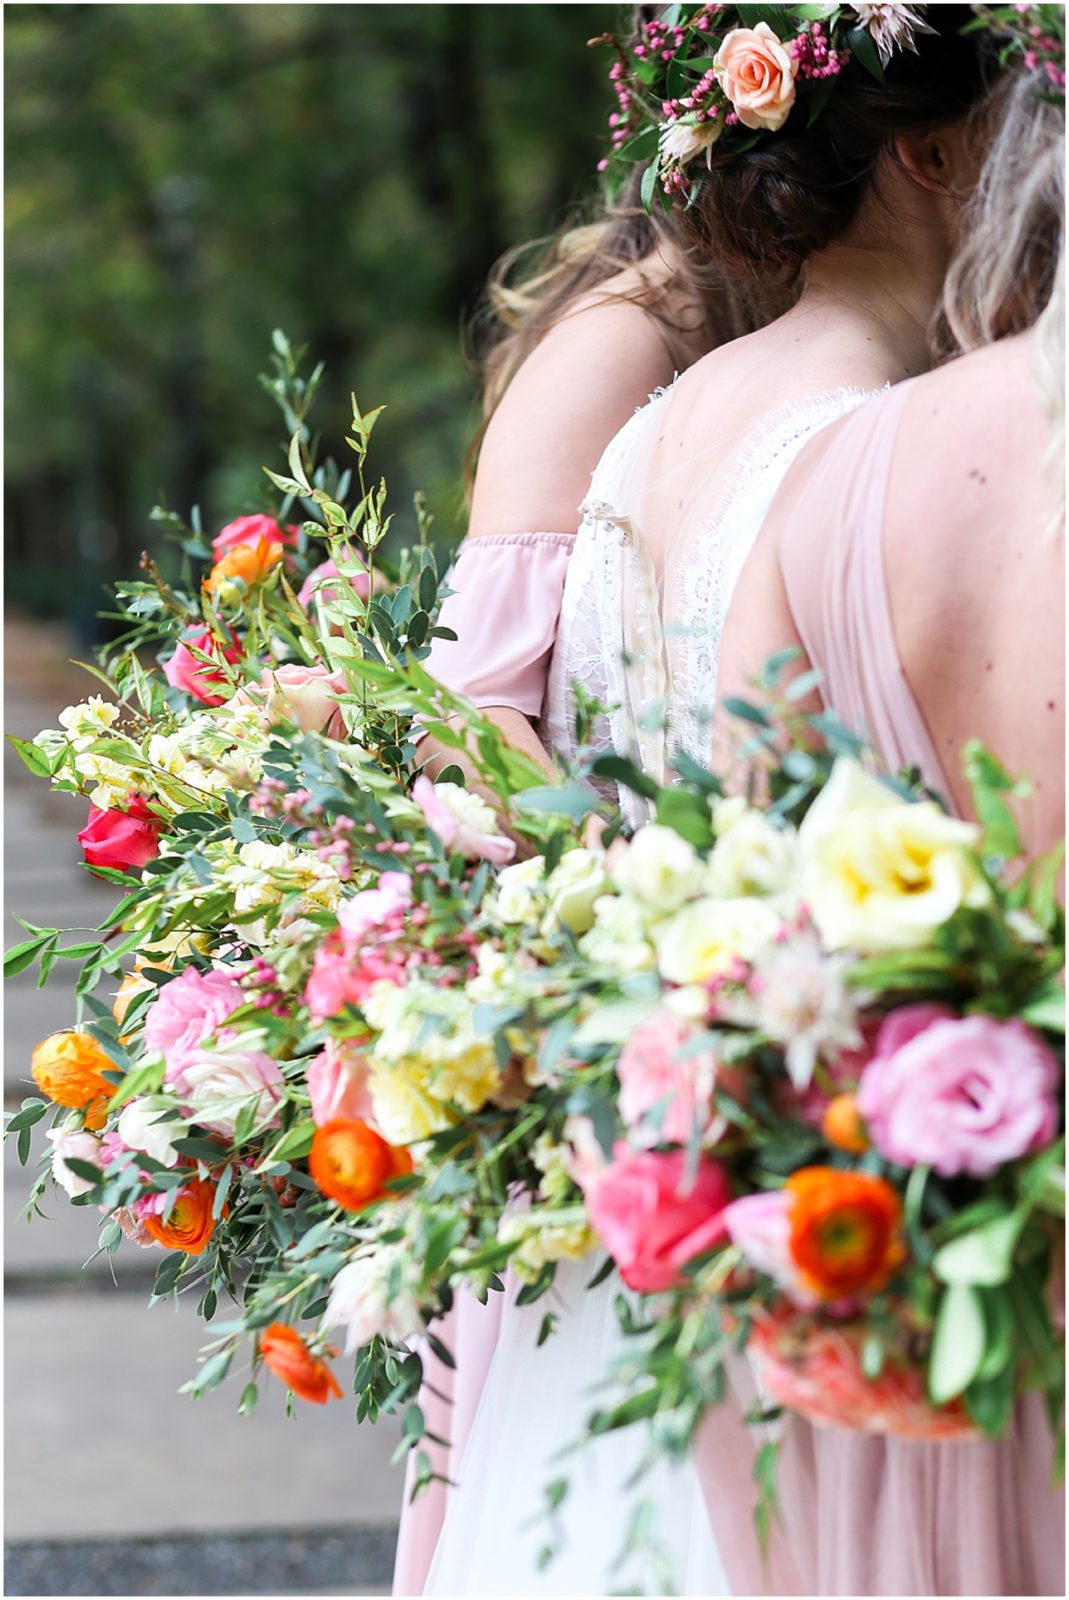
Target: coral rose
(817, 1372)
(124, 840)
(352, 1164)
(756, 71)
(652, 1218)
(191, 1224)
(187, 672)
(69, 1068)
(252, 563)
(285, 1354)
(845, 1231)
(247, 530)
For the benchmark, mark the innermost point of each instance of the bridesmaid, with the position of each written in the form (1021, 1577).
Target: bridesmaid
(612, 311)
(915, 553)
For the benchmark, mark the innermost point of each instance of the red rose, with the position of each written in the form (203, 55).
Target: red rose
(185, 671)
(121, 839)
(246, 530)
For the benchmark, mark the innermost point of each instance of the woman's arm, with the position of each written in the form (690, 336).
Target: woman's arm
(571, 396)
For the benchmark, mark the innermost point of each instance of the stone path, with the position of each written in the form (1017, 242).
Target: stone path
(115, 1483)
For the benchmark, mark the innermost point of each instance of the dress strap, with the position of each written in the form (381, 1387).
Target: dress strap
(504, 610)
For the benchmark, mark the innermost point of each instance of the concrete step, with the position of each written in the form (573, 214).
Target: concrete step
(99, 1441)
(327, 1561)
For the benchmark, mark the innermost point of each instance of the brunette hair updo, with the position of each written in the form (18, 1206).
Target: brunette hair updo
(765, 211)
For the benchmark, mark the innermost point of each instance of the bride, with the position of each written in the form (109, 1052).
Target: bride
(864, 200)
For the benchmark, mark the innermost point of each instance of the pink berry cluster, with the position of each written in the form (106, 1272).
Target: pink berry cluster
(699, 103)
(813, 52)
(1043, 53)
(262, 982)
(658, 42)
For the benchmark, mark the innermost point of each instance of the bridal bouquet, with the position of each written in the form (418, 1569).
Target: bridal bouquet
(293, 1093)
(818, 1111)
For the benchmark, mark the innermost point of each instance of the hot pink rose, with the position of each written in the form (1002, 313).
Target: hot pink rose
(246, 530)
(340, 977)
(122, 839)
(958, 1094)
(653, 1219)
(315, 583)
(756, 71)
(337, 1084)
(184, 670)
(462, 821)
(307, 696)
(662, 1088)
(189, 1010)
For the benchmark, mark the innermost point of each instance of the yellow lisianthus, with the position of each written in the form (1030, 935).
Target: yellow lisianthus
(879, 873)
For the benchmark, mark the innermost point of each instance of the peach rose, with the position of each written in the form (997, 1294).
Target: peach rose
(756, 72)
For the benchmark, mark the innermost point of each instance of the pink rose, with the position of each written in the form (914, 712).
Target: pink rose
(667, 1091)
(246, 530)
(189, 1010)
(958, 1094)
(756, 71)
(462, 821)
(381, 907)
(122, 839)
(184, 671)
(341, 977)
(337, 1084)
(307, 696)
(653, 1219)
(315, 584)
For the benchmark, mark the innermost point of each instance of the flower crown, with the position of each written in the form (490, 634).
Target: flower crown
(727, 75)
(1034, 35)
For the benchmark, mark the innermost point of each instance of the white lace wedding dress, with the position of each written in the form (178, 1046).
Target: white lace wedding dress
(640, 628)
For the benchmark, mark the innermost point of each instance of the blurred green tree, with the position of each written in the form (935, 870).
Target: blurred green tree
(183, 178)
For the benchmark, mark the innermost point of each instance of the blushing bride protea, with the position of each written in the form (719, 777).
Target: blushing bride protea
(797, 994)
(892, 27)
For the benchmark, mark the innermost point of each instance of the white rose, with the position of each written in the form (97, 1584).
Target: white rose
(573, 886)
(140, 1129)
(80, 1144)
(521, 891)
(659, 868)
(751, 857)
(219, 1084)
(618, 938)
(374, 1297)
(706, 938)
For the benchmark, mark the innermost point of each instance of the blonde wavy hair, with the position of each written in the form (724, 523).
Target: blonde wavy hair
(1008, 274)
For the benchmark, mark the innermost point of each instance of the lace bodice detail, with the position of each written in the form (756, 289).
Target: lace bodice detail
(658, 677)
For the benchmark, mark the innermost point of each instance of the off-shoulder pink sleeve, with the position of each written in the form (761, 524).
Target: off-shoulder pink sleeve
(504, 612)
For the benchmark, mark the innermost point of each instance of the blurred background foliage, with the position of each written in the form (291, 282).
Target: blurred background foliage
(181, 179)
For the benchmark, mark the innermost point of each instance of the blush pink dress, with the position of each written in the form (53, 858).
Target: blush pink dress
(872, 1515)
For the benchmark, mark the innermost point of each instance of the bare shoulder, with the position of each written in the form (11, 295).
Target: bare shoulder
(574, 392)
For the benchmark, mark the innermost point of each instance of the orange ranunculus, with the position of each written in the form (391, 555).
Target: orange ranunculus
(133, 984)
(250, 562)
(69, 1068)
(842, 1125)
(845, 1231)
(352, 1163)
(285, 1354)
(191, 1224)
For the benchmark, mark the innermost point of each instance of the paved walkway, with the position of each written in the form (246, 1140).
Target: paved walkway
(115, 1483)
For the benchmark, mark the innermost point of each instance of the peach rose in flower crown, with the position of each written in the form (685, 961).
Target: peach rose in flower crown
(756, 72)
